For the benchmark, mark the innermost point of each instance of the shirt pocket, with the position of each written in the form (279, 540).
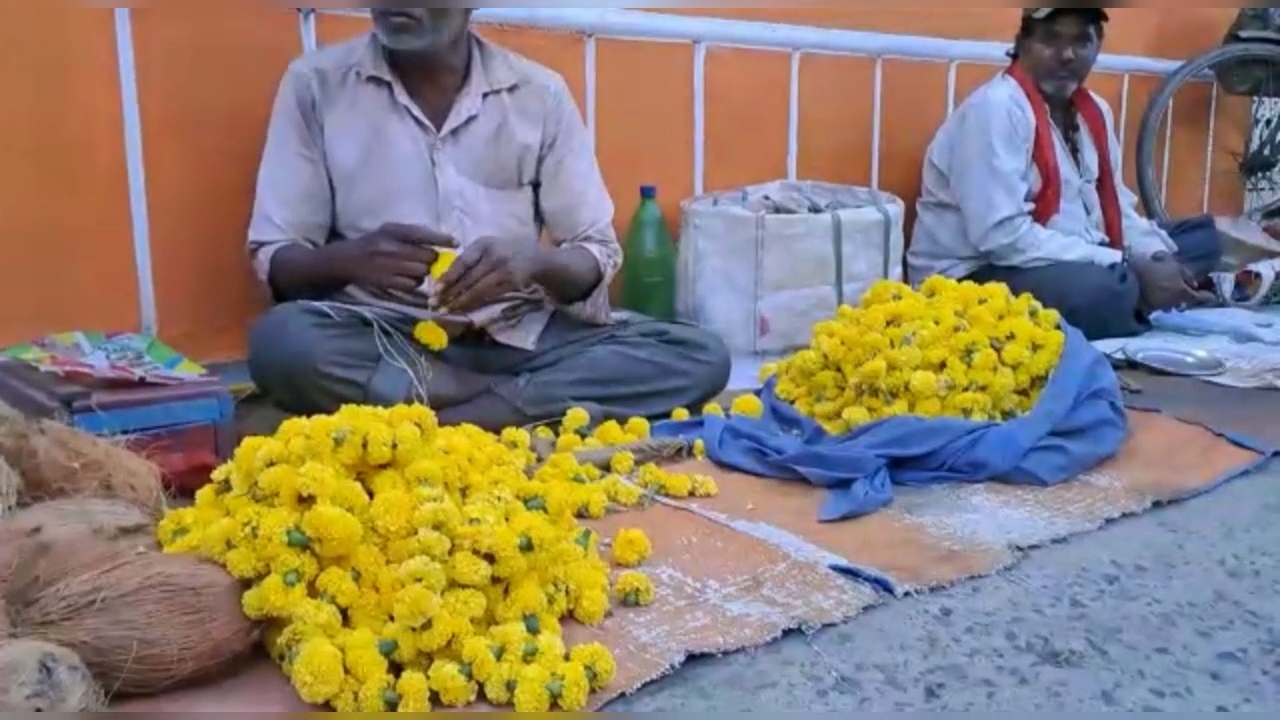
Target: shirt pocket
(506, 213)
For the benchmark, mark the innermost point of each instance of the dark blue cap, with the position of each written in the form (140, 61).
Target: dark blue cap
(648, 192)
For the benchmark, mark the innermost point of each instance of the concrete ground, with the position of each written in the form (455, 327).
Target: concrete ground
(1178, 609)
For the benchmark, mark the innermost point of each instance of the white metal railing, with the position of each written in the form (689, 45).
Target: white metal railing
(700, 32)
(797, 40)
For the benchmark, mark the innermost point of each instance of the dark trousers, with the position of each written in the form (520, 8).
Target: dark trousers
(312, 358)
(1103, 302)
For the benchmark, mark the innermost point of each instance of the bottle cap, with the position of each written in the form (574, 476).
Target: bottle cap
(648, 192)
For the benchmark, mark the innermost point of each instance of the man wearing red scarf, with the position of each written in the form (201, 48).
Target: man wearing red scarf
(1022, 185)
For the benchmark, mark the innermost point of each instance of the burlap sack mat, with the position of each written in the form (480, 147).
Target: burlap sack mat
(717, 590)
(933, 537)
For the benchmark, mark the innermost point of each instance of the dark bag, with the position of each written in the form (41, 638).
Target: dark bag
(1252, 78)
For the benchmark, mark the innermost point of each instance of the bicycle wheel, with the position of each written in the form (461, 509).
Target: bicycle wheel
(1149, 187)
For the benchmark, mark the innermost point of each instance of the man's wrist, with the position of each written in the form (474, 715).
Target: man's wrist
(333, 262)
(297, 271)
(542, 265)
(565, 273)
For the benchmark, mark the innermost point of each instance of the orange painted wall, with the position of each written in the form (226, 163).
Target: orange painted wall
(206, 78)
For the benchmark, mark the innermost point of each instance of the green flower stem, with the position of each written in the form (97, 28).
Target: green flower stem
(295, 538)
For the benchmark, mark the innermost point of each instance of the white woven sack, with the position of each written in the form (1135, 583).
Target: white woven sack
(761, 265)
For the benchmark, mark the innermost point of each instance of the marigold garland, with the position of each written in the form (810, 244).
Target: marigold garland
(400, 565)
(953, 348)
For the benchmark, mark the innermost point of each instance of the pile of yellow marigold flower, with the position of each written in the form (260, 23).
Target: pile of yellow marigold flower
(399, 565)
(951, 349)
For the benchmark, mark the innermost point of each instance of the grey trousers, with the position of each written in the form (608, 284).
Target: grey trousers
(1103, 302)
(307, 360)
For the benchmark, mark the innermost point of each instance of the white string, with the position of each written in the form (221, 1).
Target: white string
(391, 343)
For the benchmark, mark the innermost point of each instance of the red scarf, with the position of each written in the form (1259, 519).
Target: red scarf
(1045, 156)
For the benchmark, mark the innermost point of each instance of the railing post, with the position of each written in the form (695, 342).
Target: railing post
(136, 170)
(307, 28)
(699, 117)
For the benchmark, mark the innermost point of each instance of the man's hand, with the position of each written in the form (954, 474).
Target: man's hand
(393, 257)
(486, 270)
(1165, 283)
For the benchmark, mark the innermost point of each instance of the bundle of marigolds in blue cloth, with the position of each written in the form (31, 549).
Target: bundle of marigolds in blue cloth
(954, 349)
(399, 564)
(957, 382)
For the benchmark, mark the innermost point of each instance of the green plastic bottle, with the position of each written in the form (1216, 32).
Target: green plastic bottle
(649, 261)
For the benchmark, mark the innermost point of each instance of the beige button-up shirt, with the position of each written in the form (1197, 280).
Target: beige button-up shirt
(348, 150)
(979, 186)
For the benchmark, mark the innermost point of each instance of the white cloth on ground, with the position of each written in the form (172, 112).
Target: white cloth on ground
(1247, 341)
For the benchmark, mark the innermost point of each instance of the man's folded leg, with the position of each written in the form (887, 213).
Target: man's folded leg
(635, 367)
(312, 358)
(1100, 302)
(315, 357)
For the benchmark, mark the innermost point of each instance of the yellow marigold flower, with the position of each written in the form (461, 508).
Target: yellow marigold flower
(622, 492)
(633, 588)
(680, 414)
(674, 485)
(630, 547)
(430, 335)
(317, 672)
(598, 661)
(610, 432)
(568, 442)
(767, 371)
(713, 408)
(377, 694)
(637, 428)
(704, 486)
(575, 419)
(748, 405)
(413, 692)
(532, 693)
(501, 684)
(699, 449)
(622, 463)
(452, 683)
(444, 260)
(591, 606)
(571, 686)
(517, 438)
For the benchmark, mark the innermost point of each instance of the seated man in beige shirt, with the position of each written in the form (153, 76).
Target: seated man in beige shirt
(422, 135)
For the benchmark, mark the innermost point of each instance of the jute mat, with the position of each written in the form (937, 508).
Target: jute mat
(737, 571)
(718, 590)
(933, 537)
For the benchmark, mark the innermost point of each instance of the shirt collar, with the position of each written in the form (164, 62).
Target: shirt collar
(491, 69)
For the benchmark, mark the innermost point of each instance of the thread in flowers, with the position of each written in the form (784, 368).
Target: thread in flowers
(390, 343)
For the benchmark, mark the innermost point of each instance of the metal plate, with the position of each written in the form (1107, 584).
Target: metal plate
(1175, 361)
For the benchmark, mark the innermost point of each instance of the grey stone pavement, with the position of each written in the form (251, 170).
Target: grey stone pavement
(1177, 609)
